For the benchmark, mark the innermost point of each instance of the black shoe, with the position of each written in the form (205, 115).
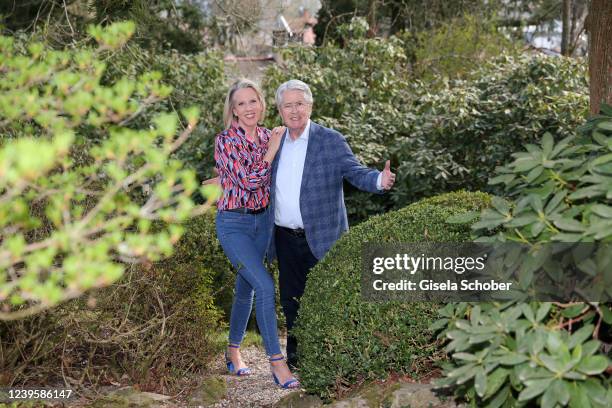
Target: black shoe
(292, 362)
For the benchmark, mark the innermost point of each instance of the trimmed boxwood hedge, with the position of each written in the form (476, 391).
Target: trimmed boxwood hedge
(343, 339)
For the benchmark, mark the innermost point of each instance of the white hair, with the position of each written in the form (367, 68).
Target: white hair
(293, 85)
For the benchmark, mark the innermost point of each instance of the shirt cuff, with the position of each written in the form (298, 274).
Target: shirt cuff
(379, 181)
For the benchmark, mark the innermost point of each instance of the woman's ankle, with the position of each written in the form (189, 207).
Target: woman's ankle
(277, 360)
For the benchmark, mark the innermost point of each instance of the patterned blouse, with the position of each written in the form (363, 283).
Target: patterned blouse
(244, 175)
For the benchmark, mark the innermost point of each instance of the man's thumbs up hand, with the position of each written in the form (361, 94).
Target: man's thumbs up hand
(388, 178)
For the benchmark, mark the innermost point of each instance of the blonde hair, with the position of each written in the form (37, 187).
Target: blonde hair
(228, 115)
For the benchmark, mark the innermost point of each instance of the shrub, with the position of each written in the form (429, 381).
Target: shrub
(550, 354)
(157, 325)
(344, 339)
(440, 135)
(196, 80)
(455, 48)
(74, 210)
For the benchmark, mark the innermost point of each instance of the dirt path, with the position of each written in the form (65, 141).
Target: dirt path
(256, 390)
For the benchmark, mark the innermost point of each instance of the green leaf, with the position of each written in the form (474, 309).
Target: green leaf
(536, 203)
(500, 205)
(547, 144)
(602, 159)
(554, 342)
(495, 380)
(578, 396)
(535, 388)
(573, 310)
(528, 312)
(504, 178)
(605, 125)
(543, 311)
(581, 335)
(602, 210)
(522, 220)
(480, 382)
(512, 358)
(593, 365)
(549, 399)
(465, 356)
(568, 224)
(522, 165)
(534, 174)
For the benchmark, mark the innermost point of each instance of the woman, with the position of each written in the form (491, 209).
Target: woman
(243, 155)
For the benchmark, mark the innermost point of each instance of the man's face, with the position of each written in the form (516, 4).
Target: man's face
(294, 110)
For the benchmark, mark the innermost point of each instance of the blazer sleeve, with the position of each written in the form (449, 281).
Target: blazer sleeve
(362, 177)
(229, 162)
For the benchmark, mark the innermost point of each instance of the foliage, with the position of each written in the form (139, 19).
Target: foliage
(160, 24)
(357, 90)
(344, 339)
(397, 15)
(196, 80)
(65, 220)
(155, 327)
(440, 135)
(519, 353)
(477, 124)
(512, 355)
(343, 79)
(455, 48)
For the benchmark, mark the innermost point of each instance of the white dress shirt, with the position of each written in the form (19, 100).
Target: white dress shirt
(289, 180)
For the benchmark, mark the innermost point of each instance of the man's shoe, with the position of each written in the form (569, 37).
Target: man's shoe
(293, 363)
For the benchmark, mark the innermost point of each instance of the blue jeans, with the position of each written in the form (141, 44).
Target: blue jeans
(244, 239)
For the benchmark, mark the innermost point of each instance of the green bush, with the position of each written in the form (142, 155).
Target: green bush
(196, 80)
(81, 183)
(550, 354)
(455, 48)
(158, 325)
(440, 135)
(344, 339)
(199, 249)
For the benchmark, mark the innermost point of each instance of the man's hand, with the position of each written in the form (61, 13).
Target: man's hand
(388, 178)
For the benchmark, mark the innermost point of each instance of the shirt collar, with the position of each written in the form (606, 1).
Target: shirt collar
(240, 131)
(303, 136)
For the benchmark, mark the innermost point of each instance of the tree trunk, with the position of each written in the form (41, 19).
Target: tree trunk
(566, 30)
(600, 53)
(371, 18)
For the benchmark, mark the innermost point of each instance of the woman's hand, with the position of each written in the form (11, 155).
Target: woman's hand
(274, 142)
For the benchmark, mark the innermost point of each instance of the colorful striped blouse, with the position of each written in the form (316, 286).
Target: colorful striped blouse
(244, 175)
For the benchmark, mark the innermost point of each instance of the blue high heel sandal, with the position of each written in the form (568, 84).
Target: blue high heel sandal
(289, 384)
(230, 366)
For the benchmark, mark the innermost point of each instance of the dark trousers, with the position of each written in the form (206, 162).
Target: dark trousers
(294, 262)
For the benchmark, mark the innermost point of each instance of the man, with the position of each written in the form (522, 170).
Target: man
(309, 210)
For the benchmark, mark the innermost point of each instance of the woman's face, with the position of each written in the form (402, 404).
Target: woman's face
(246, 107)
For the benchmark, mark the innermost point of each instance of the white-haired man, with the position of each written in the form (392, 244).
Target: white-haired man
(307, 179)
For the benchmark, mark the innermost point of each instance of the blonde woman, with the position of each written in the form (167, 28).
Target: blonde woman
(244, 152)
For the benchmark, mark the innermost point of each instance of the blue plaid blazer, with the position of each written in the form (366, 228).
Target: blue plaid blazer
(329, 160)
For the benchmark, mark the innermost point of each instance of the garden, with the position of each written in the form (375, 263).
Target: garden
(111, 273)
